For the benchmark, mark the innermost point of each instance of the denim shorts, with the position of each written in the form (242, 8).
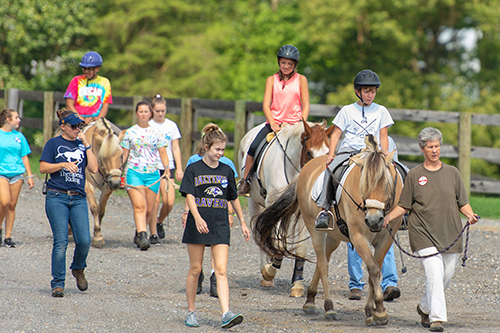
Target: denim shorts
(135, 178)
(13, 179)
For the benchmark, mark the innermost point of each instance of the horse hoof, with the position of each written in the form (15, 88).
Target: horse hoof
(376, 321)
(331, 315)
(268, 272)
(297, 289)
(266, 284)
(98, 242)
(380, 321)
(309, 308)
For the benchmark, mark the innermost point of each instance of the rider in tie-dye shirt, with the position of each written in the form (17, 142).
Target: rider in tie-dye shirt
(89, 94)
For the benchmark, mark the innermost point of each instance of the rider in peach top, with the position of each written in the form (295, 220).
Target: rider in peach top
(286, 100)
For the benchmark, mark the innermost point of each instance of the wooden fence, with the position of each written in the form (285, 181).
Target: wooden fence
(243, 113)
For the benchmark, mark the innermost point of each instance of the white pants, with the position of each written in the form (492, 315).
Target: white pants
(438, 273)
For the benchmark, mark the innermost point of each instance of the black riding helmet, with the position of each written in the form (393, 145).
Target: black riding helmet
(365, 78)
(289, 52)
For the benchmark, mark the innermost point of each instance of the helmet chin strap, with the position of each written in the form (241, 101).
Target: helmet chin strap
(364, 103)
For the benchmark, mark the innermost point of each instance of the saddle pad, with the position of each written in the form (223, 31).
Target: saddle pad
(318, 184)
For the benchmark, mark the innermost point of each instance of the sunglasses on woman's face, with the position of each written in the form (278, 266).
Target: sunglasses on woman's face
(79, 126)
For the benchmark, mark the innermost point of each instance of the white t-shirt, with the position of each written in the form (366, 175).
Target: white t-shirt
(355, 127)
(171, 132)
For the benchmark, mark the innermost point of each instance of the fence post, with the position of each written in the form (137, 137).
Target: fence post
(12, 98)
(464, 148)
(48, 115)
(186, 140)
(239, 127)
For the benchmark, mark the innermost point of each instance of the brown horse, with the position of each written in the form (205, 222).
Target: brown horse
(105, 142)
(370, 189)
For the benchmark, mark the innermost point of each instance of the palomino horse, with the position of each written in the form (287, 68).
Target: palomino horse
(370, 189)
(106, 147)
(301, 144)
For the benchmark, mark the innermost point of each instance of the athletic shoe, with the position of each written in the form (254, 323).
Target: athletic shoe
(9, 242)
(201, 277)
(81, 281)
(153, 239)
(161, 230)
(143, 243)
(192, 319)
(391, 293)
(58, 292)
(230, 319)
(213, 286)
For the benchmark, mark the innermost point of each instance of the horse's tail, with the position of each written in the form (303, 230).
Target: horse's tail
(271, 227)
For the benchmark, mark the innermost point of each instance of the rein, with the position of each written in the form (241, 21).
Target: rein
(464, 258)
(285, 157)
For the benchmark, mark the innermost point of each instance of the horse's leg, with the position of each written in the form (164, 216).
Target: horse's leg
(103, 200)
(331, 245)
(318, 240)
(374, 315)
(97, 241)
(298, 271)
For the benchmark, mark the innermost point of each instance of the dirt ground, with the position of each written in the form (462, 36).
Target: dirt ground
(132, 291)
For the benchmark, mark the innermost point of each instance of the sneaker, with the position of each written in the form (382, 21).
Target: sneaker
(213, 286)
(192, 319)
(391, 293)
(161, 230)
(355, 294)
(200, 281)
(230, 319)
(9, 242)
(244, 187)
(81, 281)
(436, 326)
(58, 292)
(153, 239)
(323, 220)
(424, 317)
(143, 242)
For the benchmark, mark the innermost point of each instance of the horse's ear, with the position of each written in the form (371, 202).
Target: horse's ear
(97, 139)
(329, 131)
(359, 161)
(307, 128)
(389, 158)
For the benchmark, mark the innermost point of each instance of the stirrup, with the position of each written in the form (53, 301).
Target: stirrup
(332, 218)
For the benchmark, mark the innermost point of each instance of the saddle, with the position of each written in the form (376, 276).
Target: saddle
(258, 158)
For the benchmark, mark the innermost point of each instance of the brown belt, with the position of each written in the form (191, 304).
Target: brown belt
(65, 192)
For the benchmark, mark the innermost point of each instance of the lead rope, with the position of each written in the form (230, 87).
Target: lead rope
(464, 258)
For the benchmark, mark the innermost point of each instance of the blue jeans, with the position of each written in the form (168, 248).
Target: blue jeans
(389, 270)
(61, 210)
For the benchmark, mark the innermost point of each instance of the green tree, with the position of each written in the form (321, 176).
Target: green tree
(39, 38)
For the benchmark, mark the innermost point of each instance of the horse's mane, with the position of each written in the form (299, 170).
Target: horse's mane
(110, 143)
(374, 172)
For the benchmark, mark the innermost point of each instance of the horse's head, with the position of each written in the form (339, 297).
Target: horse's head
(377, 183)
(315, 141)
(109, 154)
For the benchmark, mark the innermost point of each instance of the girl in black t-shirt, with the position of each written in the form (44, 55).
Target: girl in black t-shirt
(208, 186)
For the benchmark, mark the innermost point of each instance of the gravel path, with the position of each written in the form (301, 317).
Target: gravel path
(131, 291)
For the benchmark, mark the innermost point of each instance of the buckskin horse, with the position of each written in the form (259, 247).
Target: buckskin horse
(370, 190)
(105, 142)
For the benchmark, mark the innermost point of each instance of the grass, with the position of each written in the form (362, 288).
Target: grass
(486, 206)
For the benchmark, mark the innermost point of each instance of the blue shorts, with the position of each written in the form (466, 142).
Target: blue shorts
(13, 179)
(135, 178)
